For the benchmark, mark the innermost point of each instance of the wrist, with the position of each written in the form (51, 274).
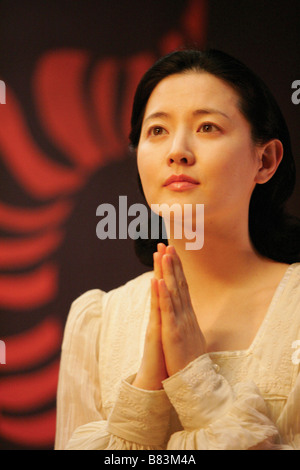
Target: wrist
(140, 416)
(146, 383)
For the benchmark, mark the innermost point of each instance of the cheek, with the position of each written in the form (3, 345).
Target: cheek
(231, 172)
(236, 161)
(143, 168)
(146, 172)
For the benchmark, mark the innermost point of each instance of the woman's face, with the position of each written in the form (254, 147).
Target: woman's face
(192, 126)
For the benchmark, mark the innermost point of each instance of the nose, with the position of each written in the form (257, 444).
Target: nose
(181, 152)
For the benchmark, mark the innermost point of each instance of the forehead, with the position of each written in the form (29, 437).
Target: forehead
(190, 90)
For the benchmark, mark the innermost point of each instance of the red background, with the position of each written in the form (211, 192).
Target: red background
(70, 70)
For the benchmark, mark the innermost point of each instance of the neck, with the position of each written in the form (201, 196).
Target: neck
(226, 259)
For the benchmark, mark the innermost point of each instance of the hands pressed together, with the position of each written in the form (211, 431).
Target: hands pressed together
(173, 336)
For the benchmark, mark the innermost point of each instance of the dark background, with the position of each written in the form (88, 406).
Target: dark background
(70, 68)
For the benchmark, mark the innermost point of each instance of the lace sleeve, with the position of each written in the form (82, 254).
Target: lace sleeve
(289, 420)
(141, 416)
(78, 394)
(139, 420)
(215, 415)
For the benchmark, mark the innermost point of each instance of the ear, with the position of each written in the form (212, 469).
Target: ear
(270, 156)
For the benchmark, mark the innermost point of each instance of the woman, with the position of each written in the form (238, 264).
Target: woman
(200, 352)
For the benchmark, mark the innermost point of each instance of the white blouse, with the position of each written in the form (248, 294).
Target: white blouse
(221, 400)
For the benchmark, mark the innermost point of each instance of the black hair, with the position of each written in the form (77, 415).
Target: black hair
(273, 232)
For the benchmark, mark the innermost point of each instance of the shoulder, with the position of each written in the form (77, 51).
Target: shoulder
(287, 299)
(287, 295)
(128, 303)
(84, 318)
(295, 267)
(94, 301)
(294, 288)
(133, 291)
(86, 307)
(291, 282)
(89, 309)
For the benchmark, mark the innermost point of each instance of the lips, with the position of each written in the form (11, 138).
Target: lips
(180, 182)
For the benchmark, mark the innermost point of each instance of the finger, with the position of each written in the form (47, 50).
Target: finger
(165, 302)
(157, 265)
(153, 333)
(154, 318)
(181, 281)
(161, 248)
(171, 283)
(152, 370)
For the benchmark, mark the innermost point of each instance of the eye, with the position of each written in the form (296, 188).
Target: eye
(156, 131)
(208, 127)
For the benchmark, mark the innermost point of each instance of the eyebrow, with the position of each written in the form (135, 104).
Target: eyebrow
(197, 112)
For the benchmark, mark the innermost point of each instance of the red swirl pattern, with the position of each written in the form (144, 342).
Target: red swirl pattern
(90, 128)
